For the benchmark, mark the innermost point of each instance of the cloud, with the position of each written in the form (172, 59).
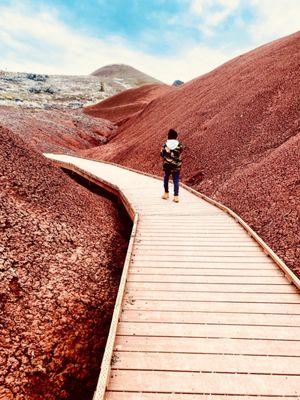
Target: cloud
(265, 20)
(274, 19)
(40, 42)
(212, 13)
(34, 38)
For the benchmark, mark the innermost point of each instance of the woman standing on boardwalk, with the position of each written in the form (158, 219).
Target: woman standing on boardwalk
(171, 154)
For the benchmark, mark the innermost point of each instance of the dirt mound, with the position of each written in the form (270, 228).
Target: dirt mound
(126, 104)
(238, 124)
(126, 73)
(60, 259)
(56, 130)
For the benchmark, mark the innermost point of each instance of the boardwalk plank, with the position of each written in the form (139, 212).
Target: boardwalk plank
(214, 287)
(208, 345)
(182, 278)
(206, 363)
(212, 272)
(201, 242)
(241, 307)
(182, 396)
(187, 382)
(197, 251)
(254, 297)
(266, 264)
(205, 331)
(222, 318)
(221, 258)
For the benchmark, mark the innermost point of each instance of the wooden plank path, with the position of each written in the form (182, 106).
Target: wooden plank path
(202, 311)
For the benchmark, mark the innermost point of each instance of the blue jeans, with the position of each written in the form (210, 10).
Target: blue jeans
(175, 176)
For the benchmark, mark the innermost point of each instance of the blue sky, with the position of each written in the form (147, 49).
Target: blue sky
(169, 39)
(143, 24)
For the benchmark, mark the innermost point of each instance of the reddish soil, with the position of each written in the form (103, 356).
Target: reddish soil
(125, 105)
(60, 259)
(240, 128)
(62, 131)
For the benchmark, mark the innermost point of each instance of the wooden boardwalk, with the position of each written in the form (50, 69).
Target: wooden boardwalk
(202, 311)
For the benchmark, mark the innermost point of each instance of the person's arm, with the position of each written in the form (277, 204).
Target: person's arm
(163, 152)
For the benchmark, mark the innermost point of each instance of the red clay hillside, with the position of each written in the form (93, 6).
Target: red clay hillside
(60, 255)
(240, 126)
(125, 105)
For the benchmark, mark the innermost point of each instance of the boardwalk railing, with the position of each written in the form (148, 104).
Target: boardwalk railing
(220, 285)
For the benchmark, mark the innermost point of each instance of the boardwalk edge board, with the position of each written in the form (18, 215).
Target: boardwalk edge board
(114, 189)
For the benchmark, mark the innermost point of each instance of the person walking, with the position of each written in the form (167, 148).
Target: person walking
(171, 154)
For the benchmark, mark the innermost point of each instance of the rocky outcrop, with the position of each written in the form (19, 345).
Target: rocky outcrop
(60, 92)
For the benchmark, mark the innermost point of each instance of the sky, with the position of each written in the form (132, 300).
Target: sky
(168, 39)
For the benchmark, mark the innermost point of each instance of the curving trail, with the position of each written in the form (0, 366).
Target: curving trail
(202, 311)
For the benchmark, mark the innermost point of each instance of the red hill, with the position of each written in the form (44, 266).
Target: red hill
(126, 104)
(240, 128)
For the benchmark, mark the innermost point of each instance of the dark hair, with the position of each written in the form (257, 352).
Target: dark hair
(172, 134)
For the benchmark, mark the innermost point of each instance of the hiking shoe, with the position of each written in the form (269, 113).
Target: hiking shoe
(176, 199)
(165, 196)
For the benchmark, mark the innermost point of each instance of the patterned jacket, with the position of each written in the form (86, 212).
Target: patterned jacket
(171, 154)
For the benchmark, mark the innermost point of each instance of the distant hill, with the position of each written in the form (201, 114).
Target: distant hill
(124, 73)
(178, 82)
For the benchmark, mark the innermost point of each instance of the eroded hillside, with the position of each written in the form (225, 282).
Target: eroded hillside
(61, 253)
(240, 127)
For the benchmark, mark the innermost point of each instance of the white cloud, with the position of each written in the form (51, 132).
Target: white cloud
(202, 6)
(212, 13)
(40, 42)
(275, 18)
